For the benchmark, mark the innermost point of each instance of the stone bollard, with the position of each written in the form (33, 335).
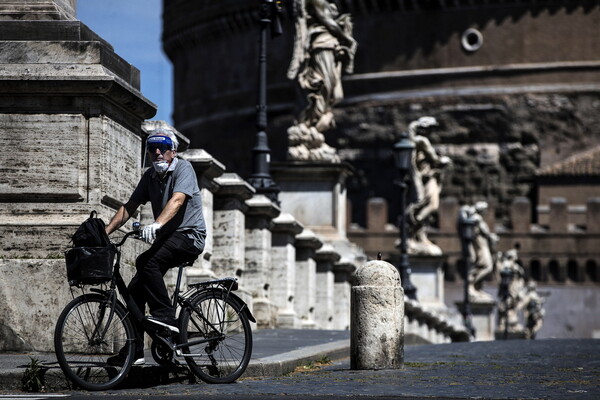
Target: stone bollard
(377, 318)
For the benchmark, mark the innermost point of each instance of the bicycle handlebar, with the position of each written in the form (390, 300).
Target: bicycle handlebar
(136, 231)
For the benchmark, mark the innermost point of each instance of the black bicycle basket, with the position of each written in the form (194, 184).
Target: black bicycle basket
(90, 265)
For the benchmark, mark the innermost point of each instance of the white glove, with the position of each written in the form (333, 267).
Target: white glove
(149, 232)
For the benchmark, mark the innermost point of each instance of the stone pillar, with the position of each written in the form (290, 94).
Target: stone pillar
(306, 277)
(377, 318)
(283, 272)
(447, 214)
(341, 293)
(377, 214)
(71, 113)
(229, 222)
(520, 215)
(207, 170)
(315, 194)
(257, 277)
(326, 256)
(593, 215)
(559, 215)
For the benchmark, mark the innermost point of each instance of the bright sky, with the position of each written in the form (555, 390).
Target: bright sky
(133, 28)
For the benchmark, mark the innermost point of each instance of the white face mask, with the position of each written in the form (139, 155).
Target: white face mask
(160, 166)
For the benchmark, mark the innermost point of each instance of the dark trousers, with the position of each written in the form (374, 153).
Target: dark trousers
(148, 286)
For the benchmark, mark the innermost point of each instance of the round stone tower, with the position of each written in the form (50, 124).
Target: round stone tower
(514, 85)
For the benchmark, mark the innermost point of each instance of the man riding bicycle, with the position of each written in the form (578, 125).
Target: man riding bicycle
(177, 234)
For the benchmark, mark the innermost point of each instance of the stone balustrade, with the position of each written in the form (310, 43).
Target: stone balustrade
(559, 247)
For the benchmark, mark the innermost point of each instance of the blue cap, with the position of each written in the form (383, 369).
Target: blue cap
(160, 139)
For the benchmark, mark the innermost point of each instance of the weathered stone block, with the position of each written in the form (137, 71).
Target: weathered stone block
(28, 317)
(377, 318)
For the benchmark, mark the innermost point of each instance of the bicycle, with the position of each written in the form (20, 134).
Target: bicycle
(215, 337)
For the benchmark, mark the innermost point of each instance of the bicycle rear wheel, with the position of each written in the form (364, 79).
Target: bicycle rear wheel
(218, 320)
(88, 332)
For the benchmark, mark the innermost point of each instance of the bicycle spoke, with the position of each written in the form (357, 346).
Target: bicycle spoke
(225, 355)
(87, 336)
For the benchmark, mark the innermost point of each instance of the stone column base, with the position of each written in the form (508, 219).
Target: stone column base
(288, 319)
(265, 313)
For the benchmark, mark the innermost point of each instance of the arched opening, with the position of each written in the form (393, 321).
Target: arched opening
(591, 271)
(535, 268)
(554, 269)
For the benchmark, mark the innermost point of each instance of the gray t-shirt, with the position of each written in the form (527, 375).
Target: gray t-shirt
(180, 178)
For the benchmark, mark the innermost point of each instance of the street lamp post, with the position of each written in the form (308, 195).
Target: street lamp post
(466, 228)
(506, 277)
(261, 180)
(403, 150)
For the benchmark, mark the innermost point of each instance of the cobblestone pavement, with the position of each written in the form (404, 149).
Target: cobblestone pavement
(518, 369)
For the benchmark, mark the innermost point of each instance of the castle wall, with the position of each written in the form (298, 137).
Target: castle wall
(527, 97)
(563, 259)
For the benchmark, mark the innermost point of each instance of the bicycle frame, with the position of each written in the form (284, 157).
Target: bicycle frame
(179, 300)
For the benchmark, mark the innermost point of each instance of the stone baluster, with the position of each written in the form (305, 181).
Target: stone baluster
(326, 257)
(207, 170)
(342, 271)
(229, 226)
(257, 276)
(307, 244)
(283, 271)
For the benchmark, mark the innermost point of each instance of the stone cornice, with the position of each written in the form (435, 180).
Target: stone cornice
(285, 223)
(37, 10)
(204, 164)
(260, 206)
(344, 269)
(327, 254)
(231, 185)
(64, 42)
(308, 239)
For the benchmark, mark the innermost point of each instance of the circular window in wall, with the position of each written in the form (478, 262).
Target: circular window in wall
(471, 40)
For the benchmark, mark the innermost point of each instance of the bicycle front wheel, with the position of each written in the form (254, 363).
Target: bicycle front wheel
(89, 331)
(219, 334)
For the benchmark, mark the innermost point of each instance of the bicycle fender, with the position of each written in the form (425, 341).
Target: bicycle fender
(244, 306)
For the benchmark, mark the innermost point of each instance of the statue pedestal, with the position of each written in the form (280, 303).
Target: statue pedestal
(483, 318)
(427, 275)
(315, 194)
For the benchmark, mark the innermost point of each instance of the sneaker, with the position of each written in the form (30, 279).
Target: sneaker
(119, 359)
(161, 323)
